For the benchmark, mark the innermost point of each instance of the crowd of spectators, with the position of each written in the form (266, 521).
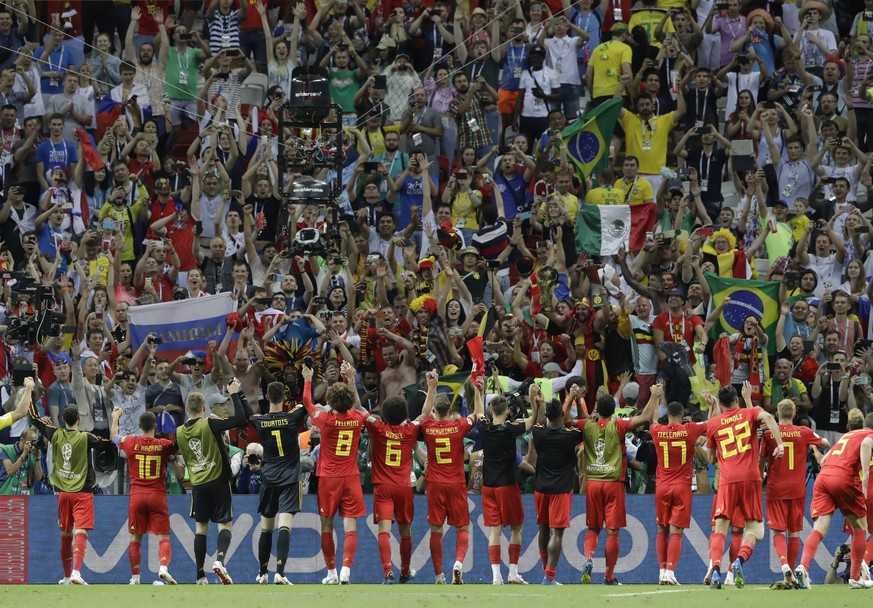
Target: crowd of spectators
(136, 169)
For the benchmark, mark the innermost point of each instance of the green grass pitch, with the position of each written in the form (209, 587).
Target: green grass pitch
(421, 595)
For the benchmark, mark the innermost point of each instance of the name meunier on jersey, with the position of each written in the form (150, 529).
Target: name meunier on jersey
(278, 432)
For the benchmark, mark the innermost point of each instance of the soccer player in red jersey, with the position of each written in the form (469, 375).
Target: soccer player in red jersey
(839, 486)
(393, 440)
(147, 514)
(501, 498)
(606, 468)
(674, 446)
(446, 484)
(786, 484)
(731, 437)
(339, 482)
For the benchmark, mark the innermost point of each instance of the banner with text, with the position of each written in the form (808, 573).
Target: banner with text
(181, 325)
(106, 559)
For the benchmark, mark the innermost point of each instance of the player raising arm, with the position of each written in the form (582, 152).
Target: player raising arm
(280, 479)
(446, 483)
(731, 437)
(339, 484)
(393, 440)
(501, 498)
(842, 484)
(208, 465)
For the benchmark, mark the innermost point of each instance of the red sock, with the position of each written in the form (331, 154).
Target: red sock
(591, 538)
(514, 553)
(544, 556)
(793, 550)
(494, 554)
(405, 553)
(674, 550)
(134, 553)
(350, 547)
(165, 551)
(736, 543)
(79, 541)
(550, 573)
(810, 547)
(780, 547)
(716, 548)
(462, 543)
(661, 547)
(67, 554)
(436, 551)
(859, 538)
(328, 550)
(385, 552)
(611, 554)
(746, 550)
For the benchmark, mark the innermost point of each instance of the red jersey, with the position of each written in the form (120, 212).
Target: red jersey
(844, 459)
(679, 329)
(159, 211)
(445, 448)
(674, 446)
(147, 462)
(735, 433)
(340, 437)
(786, 478)
(392, 451)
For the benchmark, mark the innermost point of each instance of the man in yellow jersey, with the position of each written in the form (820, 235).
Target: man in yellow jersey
(633, 188)
(608, 62)
(606, 193)
(647, 135)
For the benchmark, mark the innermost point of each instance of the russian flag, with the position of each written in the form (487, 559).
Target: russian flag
(182, 325)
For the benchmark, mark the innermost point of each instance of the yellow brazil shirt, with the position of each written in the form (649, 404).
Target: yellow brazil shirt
(606, 61)
(571, 204)
(605, 195)
(463, 211)
(635, 192)
(647, 140)
(649, 19)
(5, 420)
(124, 220)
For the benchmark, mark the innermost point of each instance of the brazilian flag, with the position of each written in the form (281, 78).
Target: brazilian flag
(587, 138)
(758, 298)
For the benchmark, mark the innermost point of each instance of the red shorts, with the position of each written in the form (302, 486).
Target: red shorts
(737, 520)
(506, 101)
(393, 501)
(742, 498)
(553, 510)
(148, 514)
(447, 502)
(604, 504)
(343, 494)
(673, 505)
(831, 493)
(785, 515)
(75, 510)
(501, 506)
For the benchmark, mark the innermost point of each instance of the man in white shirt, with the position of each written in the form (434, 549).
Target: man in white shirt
(538, 90)
(827, 263)
(562, 57)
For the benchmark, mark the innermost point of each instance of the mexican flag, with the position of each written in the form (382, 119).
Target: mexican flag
(604, 229)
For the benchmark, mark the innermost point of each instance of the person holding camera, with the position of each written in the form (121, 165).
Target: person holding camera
(728, 25)
(21, 464)
(830, 394)
(92, 401)
(248, 481)
(708, 160)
